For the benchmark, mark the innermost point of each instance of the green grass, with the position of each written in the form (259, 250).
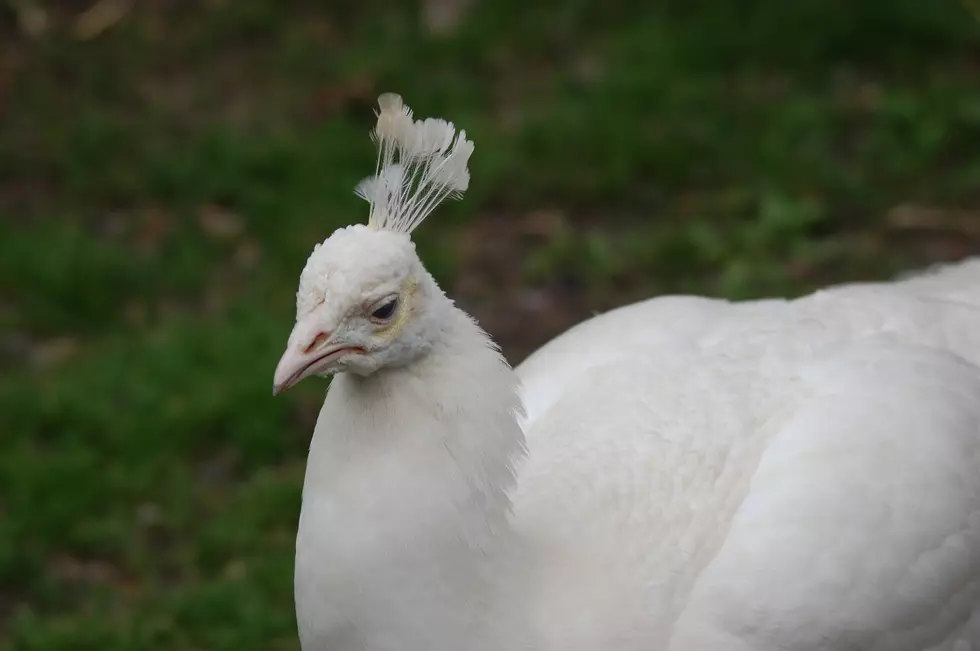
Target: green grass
(162, 183)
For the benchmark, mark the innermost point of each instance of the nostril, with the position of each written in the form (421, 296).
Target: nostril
(318, 341)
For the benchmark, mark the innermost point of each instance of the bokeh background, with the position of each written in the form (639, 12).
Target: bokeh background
(165, 168)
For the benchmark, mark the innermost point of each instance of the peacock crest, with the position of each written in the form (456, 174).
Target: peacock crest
(421, 163)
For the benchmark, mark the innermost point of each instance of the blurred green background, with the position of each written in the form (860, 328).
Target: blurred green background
(165, 168)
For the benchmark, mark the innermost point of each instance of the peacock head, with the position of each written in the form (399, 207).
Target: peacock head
(364, 297)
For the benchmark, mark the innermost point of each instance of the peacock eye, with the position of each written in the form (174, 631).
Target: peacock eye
(385, 312)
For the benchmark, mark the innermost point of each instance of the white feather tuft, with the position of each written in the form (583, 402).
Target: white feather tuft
(421, 163)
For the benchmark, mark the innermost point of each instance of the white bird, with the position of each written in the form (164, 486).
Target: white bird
(697, 475)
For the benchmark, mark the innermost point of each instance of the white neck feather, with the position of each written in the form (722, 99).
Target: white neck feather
(405, 507)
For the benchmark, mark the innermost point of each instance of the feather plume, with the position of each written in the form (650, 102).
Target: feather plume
(421, 163)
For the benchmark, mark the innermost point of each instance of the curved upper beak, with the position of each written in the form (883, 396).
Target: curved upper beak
(310, 349)
(306, 346)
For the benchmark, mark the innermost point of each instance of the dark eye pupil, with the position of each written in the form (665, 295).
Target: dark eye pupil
(385, 311)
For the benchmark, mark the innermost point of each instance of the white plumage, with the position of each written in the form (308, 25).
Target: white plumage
(690, 474)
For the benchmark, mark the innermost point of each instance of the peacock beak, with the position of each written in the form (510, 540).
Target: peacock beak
(310, 350)
(303, 350)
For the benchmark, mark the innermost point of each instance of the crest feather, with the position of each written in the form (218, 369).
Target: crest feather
(421, 163)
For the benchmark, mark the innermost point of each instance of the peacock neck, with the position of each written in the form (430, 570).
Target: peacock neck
(442, 429)
(405, 519)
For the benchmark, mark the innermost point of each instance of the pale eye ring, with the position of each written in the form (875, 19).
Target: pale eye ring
(386, 311)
